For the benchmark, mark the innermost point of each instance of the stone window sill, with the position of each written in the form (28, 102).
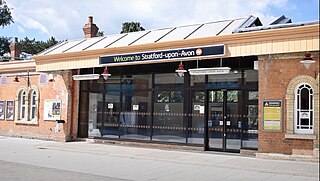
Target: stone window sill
(301, 136)
(26, 122)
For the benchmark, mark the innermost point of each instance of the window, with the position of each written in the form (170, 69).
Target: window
(303, 109)
(22, 105)
(27, 102)
(32, 106)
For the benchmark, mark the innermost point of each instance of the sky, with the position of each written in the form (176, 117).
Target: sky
(64, 19)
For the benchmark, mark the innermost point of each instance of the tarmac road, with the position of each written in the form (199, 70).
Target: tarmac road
(27, 159)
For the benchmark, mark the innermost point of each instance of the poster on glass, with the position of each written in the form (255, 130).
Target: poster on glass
(52, 109)
(10, 110)
(1, 110)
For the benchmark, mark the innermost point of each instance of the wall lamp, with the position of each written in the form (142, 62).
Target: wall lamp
(307, 60)
(180, 71)
(27, 78)
(106, 74)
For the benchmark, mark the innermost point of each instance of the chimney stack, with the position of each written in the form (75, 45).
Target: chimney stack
(90, 29)
(15, 49)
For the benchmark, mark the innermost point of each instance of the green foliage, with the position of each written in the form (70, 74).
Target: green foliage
(4, 45)
(100, 33)
(5, 14)
(31, 46)
(131, 27)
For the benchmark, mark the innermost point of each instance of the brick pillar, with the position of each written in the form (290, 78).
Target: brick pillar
(15, 49)
(90, 29)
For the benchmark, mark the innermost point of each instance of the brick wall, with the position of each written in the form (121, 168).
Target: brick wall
(275, 72)
(45, 129)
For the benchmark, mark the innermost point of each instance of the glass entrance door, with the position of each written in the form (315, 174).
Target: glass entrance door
(224, 119)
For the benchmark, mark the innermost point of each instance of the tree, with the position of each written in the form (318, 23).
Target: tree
(131, 27)
(100, 33)
(31, 46)
(4, 45)
(5, 14)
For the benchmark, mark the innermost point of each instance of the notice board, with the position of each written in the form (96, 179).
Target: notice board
(272, 115)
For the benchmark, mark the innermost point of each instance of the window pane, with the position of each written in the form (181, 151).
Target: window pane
(169, 123)
(23, 110)
(168, 79)
(304, 122)
(176, 96)
(253, 95)
(298, 101)
(33, 98)
(135, 118)
(215, 96)
(196, 125)
(163, 96)
(199, 97)
(304, 98)
(232, 96)
(33, 110)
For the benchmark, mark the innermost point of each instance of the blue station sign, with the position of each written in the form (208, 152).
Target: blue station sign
(171, 54)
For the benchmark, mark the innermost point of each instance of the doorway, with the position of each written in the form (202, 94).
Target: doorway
(224, 120)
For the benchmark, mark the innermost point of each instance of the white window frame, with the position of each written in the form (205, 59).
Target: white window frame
(28, 93)
(298, 111)
(33, 97)
(22, 95)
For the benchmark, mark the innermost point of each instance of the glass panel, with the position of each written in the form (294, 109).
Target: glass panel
(142, 81)
(311, 101)
(33, 110)
(234, 25)
(232, 96)
(233, 121)
(106, 41)
(215, 119)
(127, 40)
(215, 96)
(153, 36)
(209, 29)
(135, 120)
(197, 81)
(112, 108)
(304, 122)
(199, 97)
(163, 96)
(304, 98)
(223, 81)
(250, 129)
(65, 47)
(168, 79)
(95, 114)
(137, 82)
(196, 127)
(23, 112)
(23, 98)
(169, 122)
(85, 44)
(179, 33)
(34, 98)
(298, 117)
(253, 95)
(298, 101)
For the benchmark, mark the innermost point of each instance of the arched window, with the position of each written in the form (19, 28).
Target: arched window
(33, 98)
(22, 105)
(27, 105)
(303, 110)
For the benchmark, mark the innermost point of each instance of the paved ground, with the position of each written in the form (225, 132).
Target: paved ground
(26, 159)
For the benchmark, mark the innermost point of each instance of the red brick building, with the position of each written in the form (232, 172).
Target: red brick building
(232, 85)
